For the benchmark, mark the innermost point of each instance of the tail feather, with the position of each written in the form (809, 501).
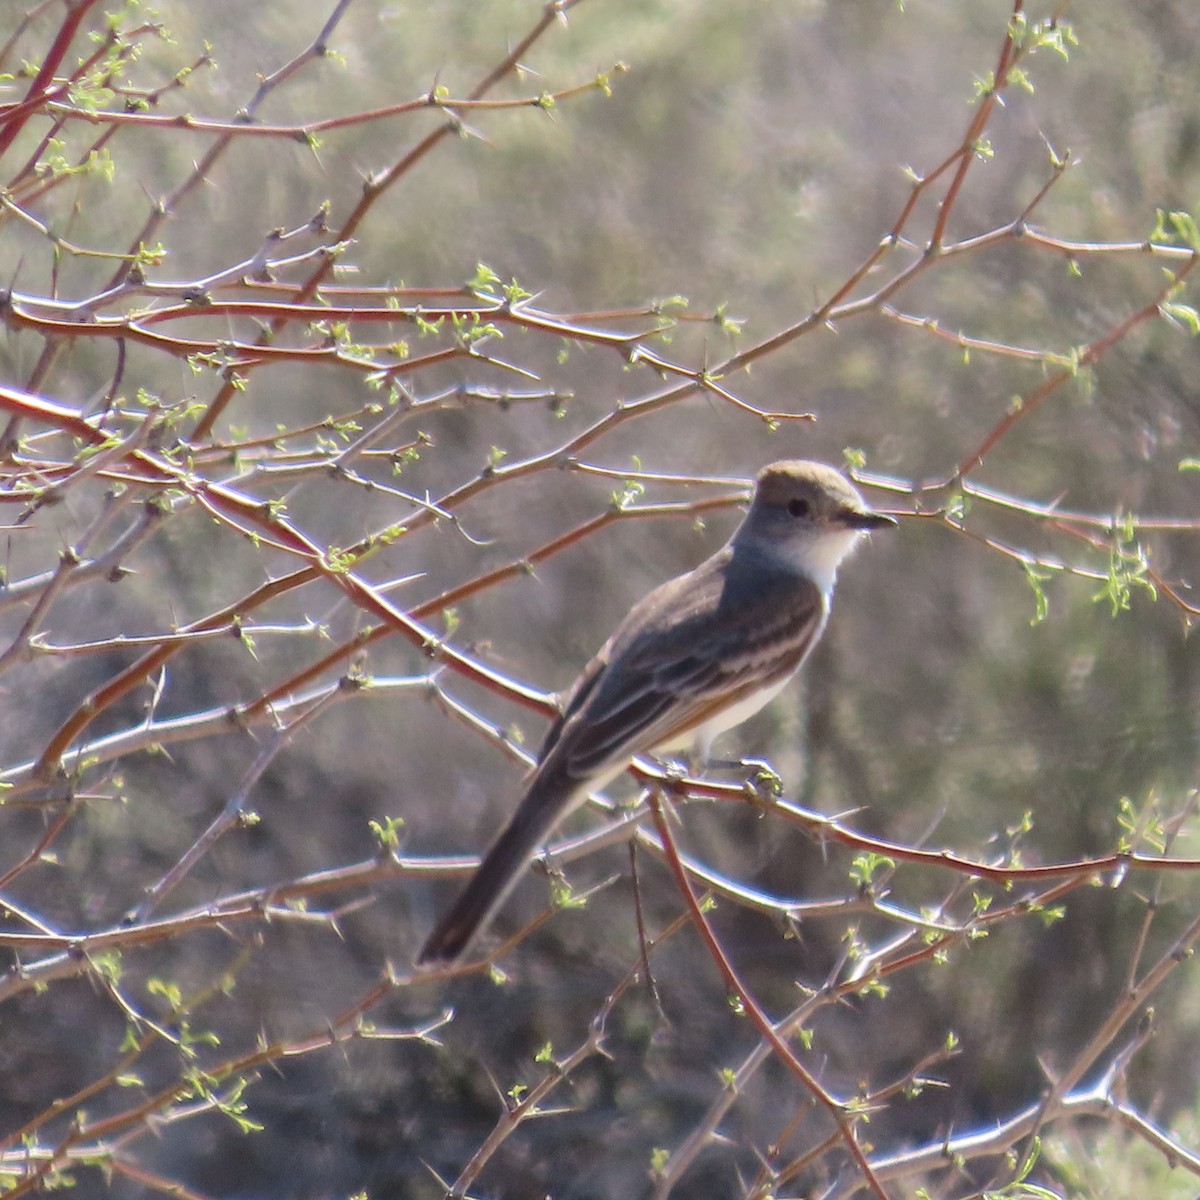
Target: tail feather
(537, 815)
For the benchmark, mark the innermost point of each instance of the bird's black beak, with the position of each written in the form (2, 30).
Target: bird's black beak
(869, 520)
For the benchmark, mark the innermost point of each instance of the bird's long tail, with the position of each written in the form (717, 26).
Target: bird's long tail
(546, 804)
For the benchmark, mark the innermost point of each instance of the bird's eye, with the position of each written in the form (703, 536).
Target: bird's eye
(799, 507)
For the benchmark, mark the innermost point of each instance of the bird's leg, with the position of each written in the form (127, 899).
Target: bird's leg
(677, 769)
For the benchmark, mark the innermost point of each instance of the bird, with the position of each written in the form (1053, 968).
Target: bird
(698, 655)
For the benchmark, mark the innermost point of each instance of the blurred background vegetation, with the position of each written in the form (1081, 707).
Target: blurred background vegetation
(743, 159)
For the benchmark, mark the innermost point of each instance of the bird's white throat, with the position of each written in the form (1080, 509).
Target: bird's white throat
(819, 555)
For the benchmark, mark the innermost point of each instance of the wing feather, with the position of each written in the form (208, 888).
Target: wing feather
(691, 649)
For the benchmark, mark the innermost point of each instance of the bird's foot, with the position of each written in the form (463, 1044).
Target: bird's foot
(675, 770)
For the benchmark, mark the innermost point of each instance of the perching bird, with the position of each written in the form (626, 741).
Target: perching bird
(700, 654)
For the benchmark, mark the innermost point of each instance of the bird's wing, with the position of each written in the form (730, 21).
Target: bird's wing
(656, 682)
(683, 655)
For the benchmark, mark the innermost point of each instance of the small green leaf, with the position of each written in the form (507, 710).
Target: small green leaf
(864, 867)
(1041, 605)
(1183, 314)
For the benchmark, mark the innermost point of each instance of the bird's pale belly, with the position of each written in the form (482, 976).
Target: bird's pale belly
(700, 739)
